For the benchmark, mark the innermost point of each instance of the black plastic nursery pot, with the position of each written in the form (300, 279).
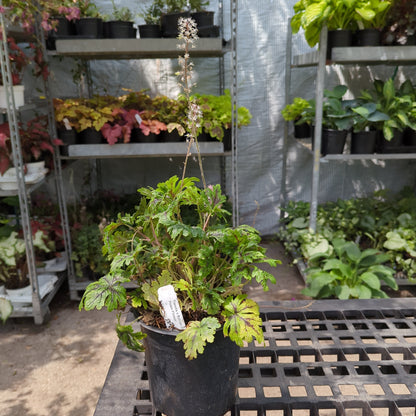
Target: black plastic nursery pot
(364, 142)
(89, 27)
(169, 24)
(338, 38)
(118, 29)
(395, 145)
(90, 136)
(302, 131)
(150, 31)
(69, 137)
(204, 386)
(367, 37)
(332, 141)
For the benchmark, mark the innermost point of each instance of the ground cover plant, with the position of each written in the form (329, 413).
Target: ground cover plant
(359, 244)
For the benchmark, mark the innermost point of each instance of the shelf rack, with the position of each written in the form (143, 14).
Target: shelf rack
(39, 308)
(366, 55)
(117, 49)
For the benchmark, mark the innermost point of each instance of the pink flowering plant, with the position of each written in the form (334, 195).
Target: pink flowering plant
(180, 235)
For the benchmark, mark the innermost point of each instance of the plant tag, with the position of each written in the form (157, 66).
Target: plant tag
(67, 124)
(138, 119)
(170, 309)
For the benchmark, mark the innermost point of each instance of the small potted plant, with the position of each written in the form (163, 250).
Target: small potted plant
(365, 122)
(172, 10)
(121, 22)
(371, 18)
(90, 23)
(202, 264)
(151, 16)
(204, 18)
(294, 112)
(18, 62)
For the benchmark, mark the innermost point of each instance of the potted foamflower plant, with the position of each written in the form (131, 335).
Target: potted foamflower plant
(199, 260)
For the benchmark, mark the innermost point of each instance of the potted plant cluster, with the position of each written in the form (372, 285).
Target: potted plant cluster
(342, 18)
(199, 260)
(37, 149)
(136, 117)
(360, 244)
(161, 18)
(385, 113)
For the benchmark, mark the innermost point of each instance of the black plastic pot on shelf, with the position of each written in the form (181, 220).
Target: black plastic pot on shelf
(205, 24)
(204, 386)
(364, 142)
(150, 31)
(338, 38)
(172, 137)
(118, 29)
(169, 24)
(137, 136)
(332, 141)
(395, 145)
(302, 131)
(367, 37)
(90, 136)
(89, 27)
(69, 137)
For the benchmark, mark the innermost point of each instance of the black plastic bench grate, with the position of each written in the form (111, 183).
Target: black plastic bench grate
(322, 362)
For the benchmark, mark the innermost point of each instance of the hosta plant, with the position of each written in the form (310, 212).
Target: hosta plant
(351, 274)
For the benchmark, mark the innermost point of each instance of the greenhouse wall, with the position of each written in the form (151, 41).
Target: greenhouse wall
(261, 52)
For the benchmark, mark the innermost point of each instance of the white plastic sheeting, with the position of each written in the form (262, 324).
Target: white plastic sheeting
(261, 49)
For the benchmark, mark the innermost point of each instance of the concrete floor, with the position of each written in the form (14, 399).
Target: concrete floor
(60, 367)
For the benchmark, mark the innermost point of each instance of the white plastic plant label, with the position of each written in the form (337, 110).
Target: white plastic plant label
(138, 119)
(170, 309)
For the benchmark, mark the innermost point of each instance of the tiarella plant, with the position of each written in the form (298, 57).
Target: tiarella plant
(179, 235)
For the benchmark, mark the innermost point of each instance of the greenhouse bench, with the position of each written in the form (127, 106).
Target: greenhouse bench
(326, 357)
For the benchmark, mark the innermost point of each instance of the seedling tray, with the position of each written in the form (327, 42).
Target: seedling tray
(327, 358)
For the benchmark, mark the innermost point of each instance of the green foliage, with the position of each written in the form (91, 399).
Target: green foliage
(313, 15)
(197, 334)
(123, 14)
(6, 309)
(382, 222)
(295, 110)
(352, 274)
(206, 261)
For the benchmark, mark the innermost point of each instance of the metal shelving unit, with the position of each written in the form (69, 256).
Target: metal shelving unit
(367, 55)
(116, 49)
(39, 308)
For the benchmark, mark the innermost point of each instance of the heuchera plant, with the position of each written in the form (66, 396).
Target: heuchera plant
(179, 235)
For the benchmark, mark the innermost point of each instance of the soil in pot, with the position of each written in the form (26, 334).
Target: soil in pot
(363, 142)
(337, 39)
(205, 386)
(367, 37)
(149, 31)
(89, 27)
(169, 24)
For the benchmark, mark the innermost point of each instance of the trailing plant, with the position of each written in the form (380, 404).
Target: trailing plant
(353, 274)
(206, 261)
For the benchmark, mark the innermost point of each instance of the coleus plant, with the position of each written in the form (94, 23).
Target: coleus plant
(207, 261)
